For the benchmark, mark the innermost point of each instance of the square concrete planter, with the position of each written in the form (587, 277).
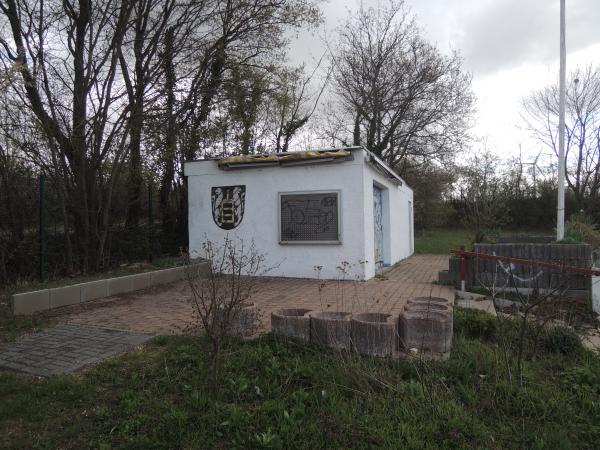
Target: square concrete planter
(331, 328)
(373, 334)
(427, 305)
(293, 322)
(426, 330)
(430, 300)
(242, 321)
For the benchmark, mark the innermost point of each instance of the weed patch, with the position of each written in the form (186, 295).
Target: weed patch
(284, 394)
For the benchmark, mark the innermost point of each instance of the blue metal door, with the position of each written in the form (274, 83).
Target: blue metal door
(378, 228)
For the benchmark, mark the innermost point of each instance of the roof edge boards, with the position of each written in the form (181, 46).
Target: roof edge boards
(376, 161)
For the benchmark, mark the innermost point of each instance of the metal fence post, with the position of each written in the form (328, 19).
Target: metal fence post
(41, 237)
(463, 268)
(150, 222)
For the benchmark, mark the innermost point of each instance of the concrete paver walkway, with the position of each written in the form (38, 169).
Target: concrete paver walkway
(65, 348)
(167, 310)
(92, 331)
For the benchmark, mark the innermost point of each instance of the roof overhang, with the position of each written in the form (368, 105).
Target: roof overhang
(383, 168)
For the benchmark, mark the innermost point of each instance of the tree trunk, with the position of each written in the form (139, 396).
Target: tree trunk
(170, 151)
(356, 135)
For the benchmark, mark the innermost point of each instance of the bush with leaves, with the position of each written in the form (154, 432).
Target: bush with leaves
(562, 340)
(581, 229)
(475, 324)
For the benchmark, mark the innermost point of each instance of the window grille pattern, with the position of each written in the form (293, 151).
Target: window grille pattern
(309, 217)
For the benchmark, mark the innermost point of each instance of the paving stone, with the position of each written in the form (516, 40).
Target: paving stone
(167, 310)
(65, 348)
(11, 365)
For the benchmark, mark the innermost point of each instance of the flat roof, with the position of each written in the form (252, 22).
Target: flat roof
(305, 157)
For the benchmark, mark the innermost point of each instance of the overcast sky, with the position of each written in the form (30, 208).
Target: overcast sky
(510, 46)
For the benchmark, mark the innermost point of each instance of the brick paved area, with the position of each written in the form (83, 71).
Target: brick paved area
(166, 309)
(65, 348)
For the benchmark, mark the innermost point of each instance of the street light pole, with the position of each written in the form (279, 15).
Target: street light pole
(560, 210)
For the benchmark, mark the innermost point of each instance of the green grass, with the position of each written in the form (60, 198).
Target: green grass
(279, 394)
(440, 241)
(13, 327)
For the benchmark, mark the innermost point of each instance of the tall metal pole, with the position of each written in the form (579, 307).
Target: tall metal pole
(560, 210)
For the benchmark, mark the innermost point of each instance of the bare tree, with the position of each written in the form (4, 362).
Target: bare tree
(481, 193)
(582, 127)
(401, 97)
(96, 94)
(140, 69)
(231, 34)
(266, 107)
(246, 94)
(219, 297)
(71, 92)
(294, 103)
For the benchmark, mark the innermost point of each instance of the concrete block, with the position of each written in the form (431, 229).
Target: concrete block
(444, 277)
(30, 302)
(293, 322)
(166, 276)
(65, 296)
(427, 306)
(454, 265)
(464, 295)
(448, 278)
(200, 269)
(331, 329)
(373, 334)
(119, 285)
(441, 300)
(93, 290)
(240, 321)
(140, 281)
(426, 331)
(430, 301)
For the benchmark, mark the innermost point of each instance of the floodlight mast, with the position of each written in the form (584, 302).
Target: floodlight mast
(560, 210)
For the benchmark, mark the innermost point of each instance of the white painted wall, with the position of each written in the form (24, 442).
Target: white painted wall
(397, 240)
(354, 179)
(261, 222)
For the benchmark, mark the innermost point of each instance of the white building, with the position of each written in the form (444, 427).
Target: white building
(304, 209)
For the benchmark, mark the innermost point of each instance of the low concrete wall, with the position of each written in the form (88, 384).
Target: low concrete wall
(485, 272)
(30, 302)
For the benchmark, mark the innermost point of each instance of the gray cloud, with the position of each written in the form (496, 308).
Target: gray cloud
(504, 34)
(491, 34)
